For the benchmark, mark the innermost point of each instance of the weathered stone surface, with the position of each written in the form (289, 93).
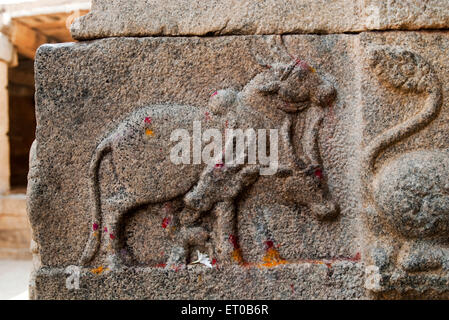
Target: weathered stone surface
(357, 209)
(231, 17)
(93, 99)
(299, 281)
(404, 164)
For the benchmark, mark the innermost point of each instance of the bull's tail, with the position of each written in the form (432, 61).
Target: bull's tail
(93, 243)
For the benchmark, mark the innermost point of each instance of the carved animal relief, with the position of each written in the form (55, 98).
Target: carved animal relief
(288, 98)
(408, 197)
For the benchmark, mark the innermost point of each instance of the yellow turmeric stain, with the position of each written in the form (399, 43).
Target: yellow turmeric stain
(200, 279)
(96, 234)
(237, 256)
(149, 132)
(313, 69)
(272, 258)
(99, 270)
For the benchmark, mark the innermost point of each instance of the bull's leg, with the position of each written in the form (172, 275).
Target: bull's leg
(114, 241)
(112, 237)
(178, 255)
(116, 209)
(228, 247)
(180, 251)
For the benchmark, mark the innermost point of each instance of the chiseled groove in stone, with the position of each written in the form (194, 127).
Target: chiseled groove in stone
(232, 17)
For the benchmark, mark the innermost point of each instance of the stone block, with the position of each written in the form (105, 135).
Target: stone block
(101, 180)
(356, 208)
(123, 18)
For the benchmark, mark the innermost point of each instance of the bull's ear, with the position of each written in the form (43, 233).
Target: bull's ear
(249, 175)
(325, 94)
(271, 87)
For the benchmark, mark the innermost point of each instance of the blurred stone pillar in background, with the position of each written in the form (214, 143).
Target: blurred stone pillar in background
(6, 57)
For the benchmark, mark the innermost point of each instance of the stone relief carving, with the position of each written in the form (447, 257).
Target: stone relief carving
(287, 97)
(357, 209)
(409, 195)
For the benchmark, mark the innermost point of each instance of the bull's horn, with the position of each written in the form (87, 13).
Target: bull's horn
(288, 70)
(271, 87)
(262, 62)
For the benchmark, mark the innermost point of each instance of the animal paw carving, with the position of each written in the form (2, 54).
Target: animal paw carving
(402, 69)
(418, 256)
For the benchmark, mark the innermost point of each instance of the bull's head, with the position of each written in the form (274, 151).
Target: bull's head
(297, 85)
(292, 88)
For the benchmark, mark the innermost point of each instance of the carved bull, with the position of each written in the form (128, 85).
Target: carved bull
(147, 176)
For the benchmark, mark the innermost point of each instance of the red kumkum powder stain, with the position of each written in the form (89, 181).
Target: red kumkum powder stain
(357, 257)
(148, 120)
(166, 222)
(219, 165)
(112, 236)
(177, 268)
(319, 173)
(95, 227)
(237, 253)
(304, 65)
(269, 245)
(234, 241)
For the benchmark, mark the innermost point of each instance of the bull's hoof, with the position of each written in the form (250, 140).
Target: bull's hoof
(114, 262)
(178, 256)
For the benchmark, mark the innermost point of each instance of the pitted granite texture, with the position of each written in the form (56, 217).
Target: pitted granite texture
(335, 222)
(344, 280)
(121, 18)
(404, 163)
(89, 92)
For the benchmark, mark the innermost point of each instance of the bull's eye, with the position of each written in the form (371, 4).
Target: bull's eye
(291, 93)
(407, 69)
